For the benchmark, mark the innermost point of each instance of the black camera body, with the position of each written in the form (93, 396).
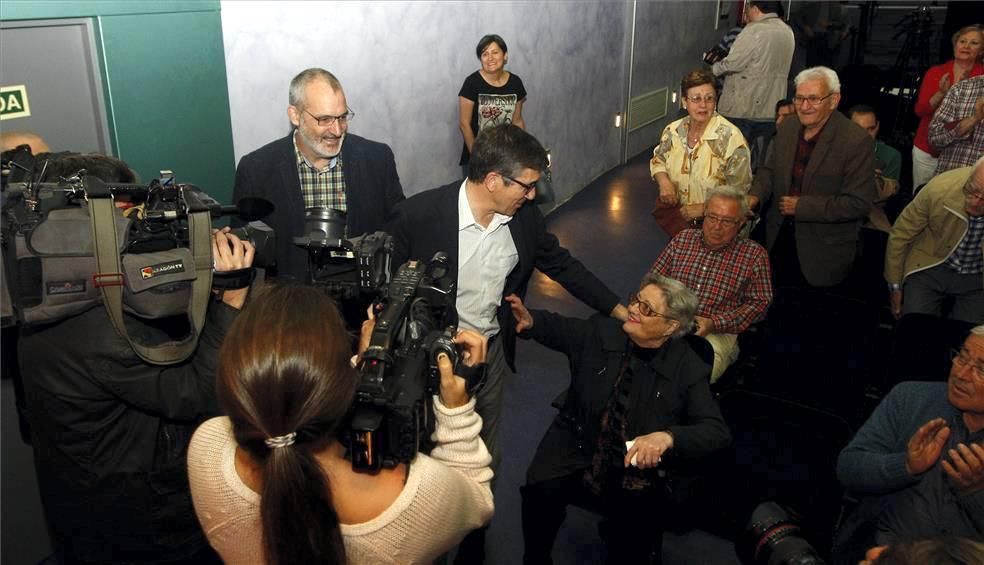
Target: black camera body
(349, 269)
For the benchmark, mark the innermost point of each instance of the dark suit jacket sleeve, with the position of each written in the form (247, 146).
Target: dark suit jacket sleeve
(398, 227)
(557, 263)
(243, 186)
(560, 333)
(704, 430)
(858, 191)
(390, 179)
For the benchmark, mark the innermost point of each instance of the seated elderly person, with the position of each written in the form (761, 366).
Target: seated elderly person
(934, 248)
(921, 454)
(696, 153)
(639, 408)
(729, 274)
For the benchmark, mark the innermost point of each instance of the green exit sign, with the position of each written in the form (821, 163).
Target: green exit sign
(13, 102)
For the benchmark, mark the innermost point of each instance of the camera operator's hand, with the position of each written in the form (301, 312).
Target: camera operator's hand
(230, 253)
(473, 348)
(524, 320)
(926, 445)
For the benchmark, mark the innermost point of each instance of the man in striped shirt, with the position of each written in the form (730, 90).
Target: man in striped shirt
(729, 275)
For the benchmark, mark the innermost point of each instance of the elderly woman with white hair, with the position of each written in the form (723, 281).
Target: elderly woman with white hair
(639, 408)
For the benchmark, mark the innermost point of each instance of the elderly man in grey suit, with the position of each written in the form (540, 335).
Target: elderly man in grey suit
(816, 187)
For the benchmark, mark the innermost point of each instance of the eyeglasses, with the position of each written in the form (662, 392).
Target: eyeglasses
(962, 358)
(645, 309)
(707, 98)
(811, 101)
(726, 222)
(325, 121)
(527, 188)
(973, 191)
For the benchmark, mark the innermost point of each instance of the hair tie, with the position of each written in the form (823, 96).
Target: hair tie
(277, 442)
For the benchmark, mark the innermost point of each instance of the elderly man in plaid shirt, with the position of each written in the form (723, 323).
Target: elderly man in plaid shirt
(729, 275)
(957, 129)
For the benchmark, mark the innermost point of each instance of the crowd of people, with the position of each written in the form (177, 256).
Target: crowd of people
(239, 453)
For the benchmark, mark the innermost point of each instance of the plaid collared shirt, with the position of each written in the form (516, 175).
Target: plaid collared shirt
(733, 285)
(324, 187)
(957, 105)
(968, 257)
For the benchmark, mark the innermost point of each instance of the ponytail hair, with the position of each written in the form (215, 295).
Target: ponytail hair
(285, 382)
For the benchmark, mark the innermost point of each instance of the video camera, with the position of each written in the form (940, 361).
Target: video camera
(355, 269)
(416, 321)
(142, 249)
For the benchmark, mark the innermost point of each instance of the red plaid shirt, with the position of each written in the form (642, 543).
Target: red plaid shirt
(733, 285)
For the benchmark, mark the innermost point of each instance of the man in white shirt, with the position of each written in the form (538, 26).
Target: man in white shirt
(494, 241)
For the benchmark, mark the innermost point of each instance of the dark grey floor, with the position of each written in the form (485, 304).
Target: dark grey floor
(608, 227)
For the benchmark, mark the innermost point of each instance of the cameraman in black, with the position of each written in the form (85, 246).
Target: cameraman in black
(110, 431)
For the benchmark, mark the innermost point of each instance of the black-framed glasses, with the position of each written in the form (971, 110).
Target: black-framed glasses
(527, 188)
(962, 358)
(645, 309)
(325, 121)
(811, 101)
(726, 222)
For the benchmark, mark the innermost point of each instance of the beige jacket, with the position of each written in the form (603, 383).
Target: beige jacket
(756, 69)
(930, 228)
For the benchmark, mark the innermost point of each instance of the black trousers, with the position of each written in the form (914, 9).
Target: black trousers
(633, 529)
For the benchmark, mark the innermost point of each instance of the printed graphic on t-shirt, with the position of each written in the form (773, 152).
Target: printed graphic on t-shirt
(495, 109)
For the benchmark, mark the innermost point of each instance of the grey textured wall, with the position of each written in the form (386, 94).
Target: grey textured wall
(669, 41)
(402, 63)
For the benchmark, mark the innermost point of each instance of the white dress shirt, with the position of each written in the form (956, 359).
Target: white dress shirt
(486, 256)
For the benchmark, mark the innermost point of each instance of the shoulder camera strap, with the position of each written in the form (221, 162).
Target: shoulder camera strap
(109, 278)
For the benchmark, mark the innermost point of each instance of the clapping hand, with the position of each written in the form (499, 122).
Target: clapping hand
(966, 467)
(926, 445)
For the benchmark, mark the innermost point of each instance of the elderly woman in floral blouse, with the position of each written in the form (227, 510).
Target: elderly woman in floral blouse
(696, 153)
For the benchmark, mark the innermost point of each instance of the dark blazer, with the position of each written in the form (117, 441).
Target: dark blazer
(670, 391)
(837, 193)
(372, 190)
(428, 222)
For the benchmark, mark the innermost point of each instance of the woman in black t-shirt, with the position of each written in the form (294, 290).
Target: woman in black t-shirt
(491, 95)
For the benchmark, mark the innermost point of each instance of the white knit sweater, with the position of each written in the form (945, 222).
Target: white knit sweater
(446, 496)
